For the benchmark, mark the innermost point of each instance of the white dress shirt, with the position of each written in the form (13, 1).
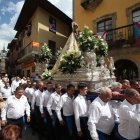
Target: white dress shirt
(66, 103)
(14, 85)
(115, 107)
(15, 108)
(44, 100)
(80, 106)
(29, 93)
(23, 81)
(1, 84)
(6, 92)
(53, 101)
(129, 126)
(36, 98)
(100, 118)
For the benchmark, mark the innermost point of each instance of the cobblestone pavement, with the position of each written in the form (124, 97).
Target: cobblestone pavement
(27, 135)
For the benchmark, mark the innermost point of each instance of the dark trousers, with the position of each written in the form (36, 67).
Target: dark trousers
(103, 136)
(57, 129)
(39, 122)
(70, 126)
(48, 125)
(84, 128)
(33, 121)
(114, 133)
(47, 118)
(19, 122)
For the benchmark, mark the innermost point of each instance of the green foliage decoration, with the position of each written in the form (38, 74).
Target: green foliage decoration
(86, 40)
(101, 47)
(70, 62)
(44, 55)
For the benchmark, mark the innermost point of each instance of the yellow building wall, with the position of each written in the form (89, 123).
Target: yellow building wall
(62, 29)
(40, 33)
(120, 7)
(86, 17)
(34, 32)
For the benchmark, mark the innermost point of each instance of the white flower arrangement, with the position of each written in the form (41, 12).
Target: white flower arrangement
(44, 54)
(46, 75)
(101, 47)
(86, 40)
(71, 61)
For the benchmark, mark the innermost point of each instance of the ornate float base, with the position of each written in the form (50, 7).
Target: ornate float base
(95, 80)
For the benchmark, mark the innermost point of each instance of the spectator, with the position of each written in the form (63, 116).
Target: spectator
(11, 132)
(125, 84)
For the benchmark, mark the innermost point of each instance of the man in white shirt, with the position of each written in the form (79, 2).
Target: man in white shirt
(115, 103)
(15, 108)
(29, 91)
(15, 84)
(66, 104)
(101, 119)
(1, 85)
(5, 78)
(81, 107)
(45, 98)
(36, 96)
(6, 91)
(23, 80)
(51, 107)
(43, 109)
(129, 127)
(35, 105)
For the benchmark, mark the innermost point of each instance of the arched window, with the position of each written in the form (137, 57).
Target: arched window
(126, 69)
(136, 15)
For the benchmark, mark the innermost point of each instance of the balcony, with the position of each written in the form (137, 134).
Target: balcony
(28, 52)
(123, 37)
(90, 4)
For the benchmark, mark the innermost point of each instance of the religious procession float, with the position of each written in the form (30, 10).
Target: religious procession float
(83, 59)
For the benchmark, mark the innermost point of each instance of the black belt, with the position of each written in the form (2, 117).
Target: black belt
(11, 119)
(4, 99)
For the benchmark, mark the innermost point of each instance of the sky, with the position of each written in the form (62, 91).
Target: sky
(9, 12)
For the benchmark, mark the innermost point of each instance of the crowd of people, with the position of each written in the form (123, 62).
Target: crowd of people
(74, 113)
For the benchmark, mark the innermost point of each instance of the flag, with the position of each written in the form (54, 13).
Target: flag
(102, 34)
(137, 33)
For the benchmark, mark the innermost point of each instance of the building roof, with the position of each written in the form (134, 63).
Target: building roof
(29, 8)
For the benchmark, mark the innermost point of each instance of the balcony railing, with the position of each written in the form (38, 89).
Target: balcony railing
(90, 4)
(28, 51)
(125, 36)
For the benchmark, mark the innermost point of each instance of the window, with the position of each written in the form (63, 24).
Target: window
(28, 29)
(28, 73)
(52, 46)
(104, 25)
(52, 24)
(33, 68)
(136, 15)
